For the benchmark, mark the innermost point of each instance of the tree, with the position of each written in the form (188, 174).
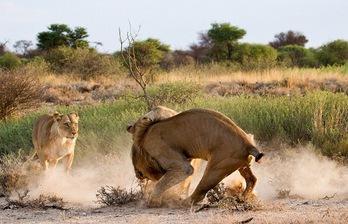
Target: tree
(334, 53)
(62, 35)
(288, 38)
(224, 37)
(22, 46)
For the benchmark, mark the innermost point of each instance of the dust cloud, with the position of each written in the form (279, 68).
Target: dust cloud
(303, 172)
(87, 176)
(299, 170)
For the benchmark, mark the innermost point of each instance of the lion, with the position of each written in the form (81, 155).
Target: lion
(54, 138)
(158, 113)
(168, 145)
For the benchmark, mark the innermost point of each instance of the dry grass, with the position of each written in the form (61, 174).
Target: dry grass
(42, 202)
(18, 93)
(220, 74)
(230, 198)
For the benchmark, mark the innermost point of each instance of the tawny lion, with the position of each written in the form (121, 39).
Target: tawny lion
(167, 145)
(159, 113)
(54, 138)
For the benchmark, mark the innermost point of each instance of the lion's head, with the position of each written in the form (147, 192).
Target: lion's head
(66, 125)
(145, 167)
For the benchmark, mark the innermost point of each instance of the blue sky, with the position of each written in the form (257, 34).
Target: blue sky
(176, 22)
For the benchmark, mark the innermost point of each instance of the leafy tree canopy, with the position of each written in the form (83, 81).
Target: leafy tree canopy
(62, 35)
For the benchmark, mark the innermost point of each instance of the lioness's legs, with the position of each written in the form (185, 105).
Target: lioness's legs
(67, 161)
(250, 180)
(215, 172)
(53, 163)
(43, 160)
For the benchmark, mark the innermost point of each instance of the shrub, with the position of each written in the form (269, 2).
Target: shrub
(9, 61)
(174, 93)
(334, 53)
(18, 93)
(296, 56)
(36, 66)
(83, 61)
(109, 196)
(255, 56)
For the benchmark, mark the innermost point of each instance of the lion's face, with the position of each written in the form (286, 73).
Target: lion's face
(67, 125)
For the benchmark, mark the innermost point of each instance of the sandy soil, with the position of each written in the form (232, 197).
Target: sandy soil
(275, 211)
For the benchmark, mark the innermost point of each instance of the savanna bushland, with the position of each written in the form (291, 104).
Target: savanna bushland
(293, 99)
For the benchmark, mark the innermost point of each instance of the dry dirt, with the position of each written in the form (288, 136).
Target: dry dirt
(275, 211)
(313, 190)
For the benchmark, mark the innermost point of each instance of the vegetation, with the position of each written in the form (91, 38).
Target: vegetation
(85, 62)
(289, 38)
(62, 35)
(18, 93)
(296, 56)
(334, 53)
(9, 61)
(320, 118)
(224, 37)
(255, 56)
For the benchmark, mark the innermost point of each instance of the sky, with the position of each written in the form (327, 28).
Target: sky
(175, 22)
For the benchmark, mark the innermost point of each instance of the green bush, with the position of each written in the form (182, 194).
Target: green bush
(9, 61)
(296, 56)
(86, 62)
(334, 53)
(255, 56)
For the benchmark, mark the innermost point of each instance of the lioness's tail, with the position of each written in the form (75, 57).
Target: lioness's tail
(256, 153)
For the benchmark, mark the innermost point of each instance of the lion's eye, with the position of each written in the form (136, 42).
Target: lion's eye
(67, 124)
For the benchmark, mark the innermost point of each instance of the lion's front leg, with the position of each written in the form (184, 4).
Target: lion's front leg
(177, 170)
(168, 180)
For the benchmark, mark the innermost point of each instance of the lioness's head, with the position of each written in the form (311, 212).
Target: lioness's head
(157, 113)
(66, 125)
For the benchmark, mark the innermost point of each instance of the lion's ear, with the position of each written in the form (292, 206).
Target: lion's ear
(146, 119)
(76, 115)
(130, 128)
(57, 116)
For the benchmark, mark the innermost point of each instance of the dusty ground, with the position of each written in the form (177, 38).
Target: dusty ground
(275, 211)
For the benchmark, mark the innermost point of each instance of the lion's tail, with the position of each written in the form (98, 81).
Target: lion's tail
(255, 152)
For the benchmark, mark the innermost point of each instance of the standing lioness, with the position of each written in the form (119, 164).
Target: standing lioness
(54, 138)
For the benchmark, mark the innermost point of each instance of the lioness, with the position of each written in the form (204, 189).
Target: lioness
(169, 144)
(54, 138)
(158, 113)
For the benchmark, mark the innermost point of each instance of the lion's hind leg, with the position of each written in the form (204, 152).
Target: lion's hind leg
(215, 172)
